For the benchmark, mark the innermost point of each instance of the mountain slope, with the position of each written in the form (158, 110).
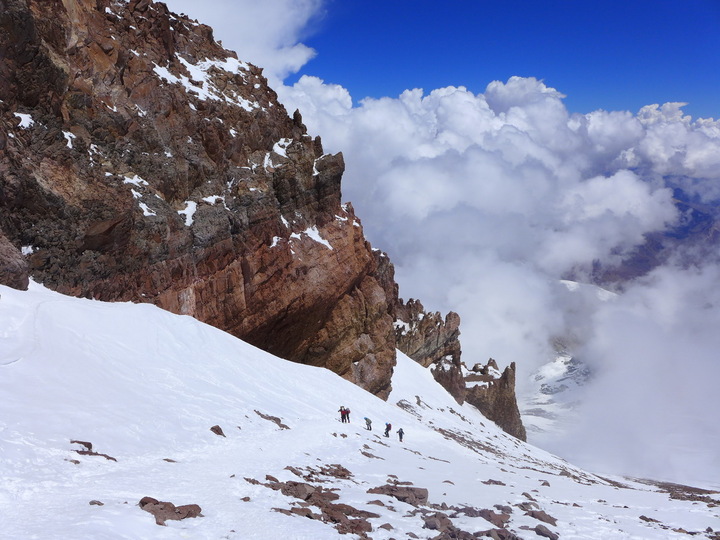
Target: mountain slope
(140, 161)
(145, 387)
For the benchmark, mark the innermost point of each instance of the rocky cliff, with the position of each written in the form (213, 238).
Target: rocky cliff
(143, 162)
(140, 161)
(434, 342)
(493, 393)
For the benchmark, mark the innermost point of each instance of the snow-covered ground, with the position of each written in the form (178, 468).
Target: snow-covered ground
(145, 387)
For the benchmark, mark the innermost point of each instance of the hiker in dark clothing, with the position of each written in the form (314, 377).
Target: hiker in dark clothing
(347, 415)
(368, 424)
(343, 414)
(388, 427)
(400, 433)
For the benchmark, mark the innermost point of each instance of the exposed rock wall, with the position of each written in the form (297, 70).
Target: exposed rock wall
(13, 267)
(140, 161)
(433, 341)
(494, 395)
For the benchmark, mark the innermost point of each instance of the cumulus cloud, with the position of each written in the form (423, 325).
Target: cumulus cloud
(650, 409)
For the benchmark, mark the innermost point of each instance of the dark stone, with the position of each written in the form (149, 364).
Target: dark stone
(540, 515)
(411, 495)
(542, 530)
(14, 271)
(217, 430)
(167, 510)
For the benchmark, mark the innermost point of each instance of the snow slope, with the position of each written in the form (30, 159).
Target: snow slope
(145, 386)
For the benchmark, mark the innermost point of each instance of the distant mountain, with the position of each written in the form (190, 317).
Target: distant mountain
(117, 418)
(692, 241)
(549, 403)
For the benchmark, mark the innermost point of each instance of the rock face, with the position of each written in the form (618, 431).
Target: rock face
(494, 395)
(140, 161)
(13, 267)
(433, 341)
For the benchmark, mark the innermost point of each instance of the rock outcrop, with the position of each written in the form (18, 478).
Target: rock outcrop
(13, 267)
(143, 162)
(163, 510)
(433, 342)
(493, 394)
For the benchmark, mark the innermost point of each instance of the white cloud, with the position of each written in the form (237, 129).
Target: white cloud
(651, 408)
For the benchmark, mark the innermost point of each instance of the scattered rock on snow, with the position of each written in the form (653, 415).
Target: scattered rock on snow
(542, 516)
(498, 534)
(275, 419)
(542, 530)
(167, 510)
(411, 495)
(89, 451)
(492, 482)
(217, 430)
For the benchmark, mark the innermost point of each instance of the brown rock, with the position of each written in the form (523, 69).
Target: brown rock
(411, 495)
(13, 266)
(499, 520)
(89, 451)
(431, 340)
(167, 510)
(496, 399)
(217, 430)
(542, 530)
(437, 522)
(542, 516)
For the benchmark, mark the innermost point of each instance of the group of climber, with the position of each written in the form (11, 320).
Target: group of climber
(345, 418)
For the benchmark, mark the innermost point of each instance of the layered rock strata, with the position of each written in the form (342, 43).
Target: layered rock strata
(143, 162)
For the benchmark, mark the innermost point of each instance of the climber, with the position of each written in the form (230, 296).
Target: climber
(343, 414)
(347, 415)
(388, 427)
(368, 424)
(400, 433)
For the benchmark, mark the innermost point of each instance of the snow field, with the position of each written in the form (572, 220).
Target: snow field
(145, 386)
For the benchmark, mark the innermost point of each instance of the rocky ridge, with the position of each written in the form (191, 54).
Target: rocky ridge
(434, 342)
(141, 161)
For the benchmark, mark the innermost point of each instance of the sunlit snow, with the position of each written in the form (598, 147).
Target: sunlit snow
(145, 386)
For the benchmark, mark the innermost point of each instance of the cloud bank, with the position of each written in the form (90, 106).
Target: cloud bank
(484, 201)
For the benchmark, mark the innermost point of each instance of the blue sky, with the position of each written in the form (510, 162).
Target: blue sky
(612, 55)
